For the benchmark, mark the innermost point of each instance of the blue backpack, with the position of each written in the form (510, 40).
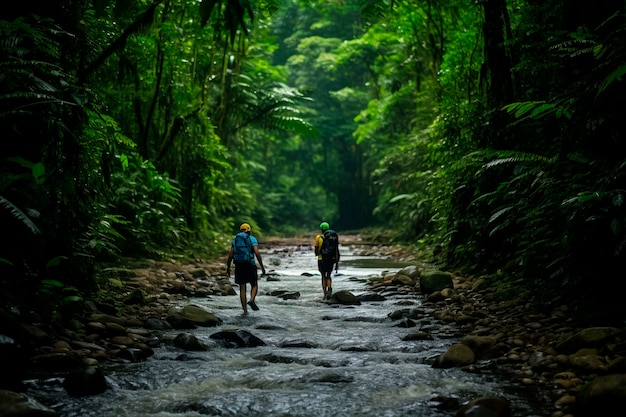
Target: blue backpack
(243, 249)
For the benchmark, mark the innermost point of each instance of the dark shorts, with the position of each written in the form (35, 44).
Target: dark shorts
(246, 273)
(325, 265)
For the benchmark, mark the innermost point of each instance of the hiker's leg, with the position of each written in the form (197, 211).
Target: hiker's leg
(242, 297)
(254, 288)
(326, 283)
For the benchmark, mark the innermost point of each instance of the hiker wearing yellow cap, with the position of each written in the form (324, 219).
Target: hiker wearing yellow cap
(327, 251)
(243, 249)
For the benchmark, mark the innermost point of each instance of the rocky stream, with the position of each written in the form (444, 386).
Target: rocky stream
(399, 337)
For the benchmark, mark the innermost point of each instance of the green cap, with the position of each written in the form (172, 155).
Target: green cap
(324, 226)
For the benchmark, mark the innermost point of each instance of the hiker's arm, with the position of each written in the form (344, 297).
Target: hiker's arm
(317, 245)
(258, 256)
(230, 259)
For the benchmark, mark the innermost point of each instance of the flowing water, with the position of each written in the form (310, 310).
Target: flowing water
(319, 359)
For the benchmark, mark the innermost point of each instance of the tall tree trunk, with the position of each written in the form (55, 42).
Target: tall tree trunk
(498, 83)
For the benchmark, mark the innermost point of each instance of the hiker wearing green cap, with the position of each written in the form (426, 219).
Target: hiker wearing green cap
(243, 250)
(327, 251)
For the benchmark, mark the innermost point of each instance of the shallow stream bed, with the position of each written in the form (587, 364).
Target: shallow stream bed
(319, 359)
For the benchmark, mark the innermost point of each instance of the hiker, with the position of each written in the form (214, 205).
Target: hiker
(243, 250)
(327, 251)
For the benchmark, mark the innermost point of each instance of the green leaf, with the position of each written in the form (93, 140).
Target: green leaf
(56, 261)
(39, 172)
(52, 283)
(206, 8)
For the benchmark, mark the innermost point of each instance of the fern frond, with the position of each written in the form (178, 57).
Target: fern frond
(616, 75)
(19, 215)
(531, 109)
(519, 157)
(495, 216)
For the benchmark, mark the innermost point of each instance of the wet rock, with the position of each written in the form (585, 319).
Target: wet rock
(369, 297)
(588, 360)
(237, 339)
(35, 334)
(86, 345)
(96, 326)
(294, 295)
(13, 404)
(85, 381)
(603, 396)
(480, 345)
(457, 355)
(122, 340)
(133, 354)
(344, 297)
(277, 293)
(107, 318)
(180, 322)
(227, 289)
(115, 329)
(399, 314)
(401, 279)
(406, 323)
(444, 403)
(486, 407)
(154, 323)
(590, 337)
(198, 273)
(431, 281)
(435, 297)
(412, 271)
(56, 362)
(298, 344)
(106, 308)
(200, 317)
(328, 377)
(188, 341)
(185, 357)
(419, 335)
(136, 297)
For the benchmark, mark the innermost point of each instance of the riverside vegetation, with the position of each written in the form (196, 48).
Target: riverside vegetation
(567, 365)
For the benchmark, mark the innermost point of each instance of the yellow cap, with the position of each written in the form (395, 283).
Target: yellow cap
(245, 227)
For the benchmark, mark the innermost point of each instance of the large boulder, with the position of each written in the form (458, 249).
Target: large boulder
(237, 339)
(85, 381)
(344, 297)
(457, 355)
(602, 396)
(190, 342)
(480, 345)
(588, 338)
(200, 317)
(432, 281)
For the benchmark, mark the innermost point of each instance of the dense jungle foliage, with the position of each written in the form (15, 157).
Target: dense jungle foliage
(489, 130)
